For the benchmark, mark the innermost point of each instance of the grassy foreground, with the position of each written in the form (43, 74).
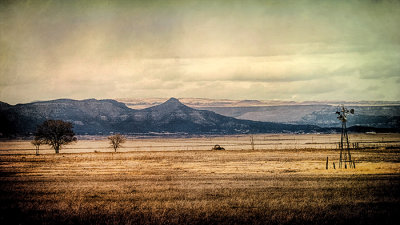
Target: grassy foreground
(200, 187)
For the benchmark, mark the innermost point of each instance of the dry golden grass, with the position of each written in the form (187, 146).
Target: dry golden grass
(237, 142)
(268, 186)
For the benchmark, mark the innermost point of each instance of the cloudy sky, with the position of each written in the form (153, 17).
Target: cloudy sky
(286, 50)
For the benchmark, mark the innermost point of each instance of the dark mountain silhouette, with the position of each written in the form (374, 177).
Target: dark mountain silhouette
(104, 116)
(88, 116)
(173, 116)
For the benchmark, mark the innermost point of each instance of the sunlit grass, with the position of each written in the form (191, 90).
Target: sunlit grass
(270, 186)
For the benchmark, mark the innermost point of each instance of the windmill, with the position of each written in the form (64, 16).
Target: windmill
(344, 145)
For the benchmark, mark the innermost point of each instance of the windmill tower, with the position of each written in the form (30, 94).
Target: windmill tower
(344, 145)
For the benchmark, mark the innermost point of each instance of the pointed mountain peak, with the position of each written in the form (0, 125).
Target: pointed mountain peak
(173, 101)
(170, 105)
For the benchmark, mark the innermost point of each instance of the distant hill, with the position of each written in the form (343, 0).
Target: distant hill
(380, 114)
(322, 115)
(173, 116)
(88, 116)
(93, 116)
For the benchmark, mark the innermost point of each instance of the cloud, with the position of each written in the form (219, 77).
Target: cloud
(251, 49)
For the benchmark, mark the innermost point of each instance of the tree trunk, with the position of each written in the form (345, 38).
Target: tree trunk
(57, 149)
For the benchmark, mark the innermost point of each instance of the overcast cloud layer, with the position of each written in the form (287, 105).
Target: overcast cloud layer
(286, 50)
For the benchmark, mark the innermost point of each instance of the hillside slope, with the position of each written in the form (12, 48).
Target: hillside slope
(105, 116)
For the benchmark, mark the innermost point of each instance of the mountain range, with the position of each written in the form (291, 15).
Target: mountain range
(380, 114)
(93, 116)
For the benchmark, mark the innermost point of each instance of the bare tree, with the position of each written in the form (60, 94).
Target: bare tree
(55, 133)
(116, 141)
(37, 143)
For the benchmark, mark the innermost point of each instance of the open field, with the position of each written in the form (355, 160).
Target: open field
(233, 142)
(164, 181)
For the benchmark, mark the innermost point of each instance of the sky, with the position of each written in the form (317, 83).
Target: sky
(297, 50)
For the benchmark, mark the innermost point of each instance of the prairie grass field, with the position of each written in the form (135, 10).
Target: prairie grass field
(284, 180)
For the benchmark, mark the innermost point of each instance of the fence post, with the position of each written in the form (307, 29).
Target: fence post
(326, 162)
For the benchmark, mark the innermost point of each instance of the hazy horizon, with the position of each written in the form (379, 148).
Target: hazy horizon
(199, 101)
(257, 50)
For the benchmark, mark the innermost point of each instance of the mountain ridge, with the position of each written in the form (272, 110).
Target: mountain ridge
(91, 116)
(380, 114)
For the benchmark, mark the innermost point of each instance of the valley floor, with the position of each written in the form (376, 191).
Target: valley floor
(264, 186)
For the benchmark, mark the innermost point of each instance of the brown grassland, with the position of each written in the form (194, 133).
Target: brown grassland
(181, 181)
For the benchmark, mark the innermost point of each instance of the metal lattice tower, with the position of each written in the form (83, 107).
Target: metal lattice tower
(344, 145)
